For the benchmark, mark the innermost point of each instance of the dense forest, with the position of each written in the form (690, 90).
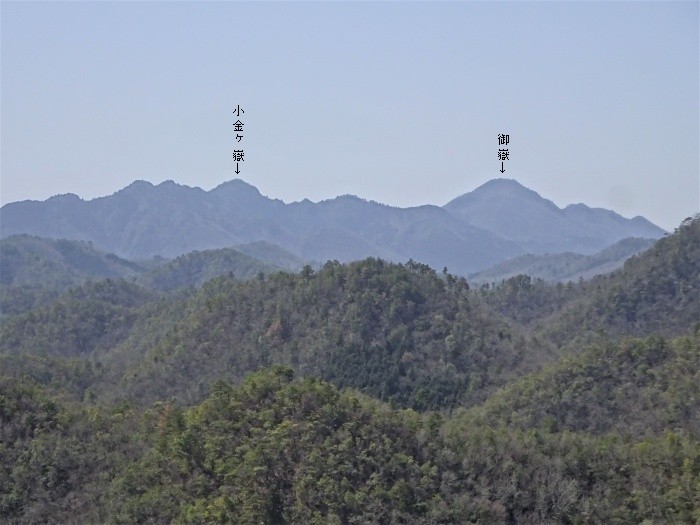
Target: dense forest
(367, 392)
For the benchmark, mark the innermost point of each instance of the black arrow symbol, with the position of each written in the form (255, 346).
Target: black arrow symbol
(502, 170)
(237, 170)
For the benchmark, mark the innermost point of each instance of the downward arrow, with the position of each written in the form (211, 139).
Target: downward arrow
(502, 170)
(238, 171)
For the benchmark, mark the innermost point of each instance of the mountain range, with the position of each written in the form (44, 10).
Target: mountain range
(499, 220)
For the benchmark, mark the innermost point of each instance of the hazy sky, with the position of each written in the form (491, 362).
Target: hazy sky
(396, 102)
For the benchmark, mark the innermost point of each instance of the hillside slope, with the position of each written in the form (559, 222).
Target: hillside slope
(34, 271)
(635, 387)
(396, 332)
(563, 267)
(57, 264)
(279, 450)
(656, 292)
(196, 268)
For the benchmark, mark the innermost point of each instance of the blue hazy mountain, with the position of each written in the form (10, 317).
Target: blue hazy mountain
(510, 210)
(567, 266)
(498, 221)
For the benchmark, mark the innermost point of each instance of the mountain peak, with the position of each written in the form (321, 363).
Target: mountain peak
(501, 183)
(509, 209)
(137, 187)
(349, 198)
(501, 191)
(65, 197)
(509, 187)
(170, 184)
(139, 184)
(237, 185)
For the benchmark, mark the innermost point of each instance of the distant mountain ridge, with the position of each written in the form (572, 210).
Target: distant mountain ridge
(500, 220)
(567, 266)
(57, 264)
(35, 270)
(27, 260)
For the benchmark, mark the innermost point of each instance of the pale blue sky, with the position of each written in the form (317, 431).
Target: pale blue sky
(395, 102)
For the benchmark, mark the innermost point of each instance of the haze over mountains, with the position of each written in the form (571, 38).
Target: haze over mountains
(499, 220)
(38, 269)
(567, 266)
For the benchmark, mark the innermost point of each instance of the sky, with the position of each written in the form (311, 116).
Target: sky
(398, 102)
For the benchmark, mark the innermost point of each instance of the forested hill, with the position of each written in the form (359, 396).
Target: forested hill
(405, 334)
(196, 268)
(278, 450)
(404, 396)
(34, 271)
(400, 333)
(637, 388)
(655, 292)
(57, 264)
